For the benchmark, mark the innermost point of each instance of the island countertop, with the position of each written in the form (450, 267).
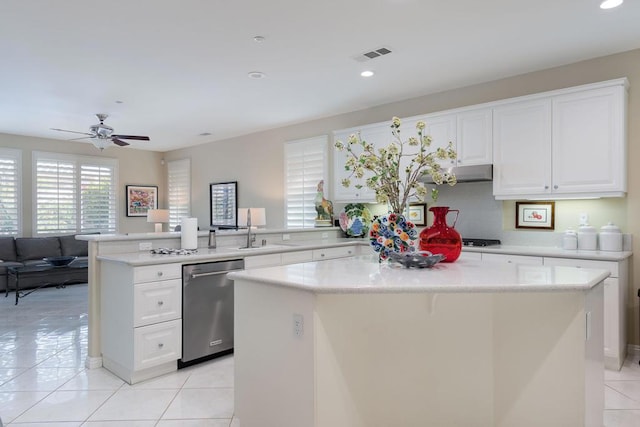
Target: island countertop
(363, 274)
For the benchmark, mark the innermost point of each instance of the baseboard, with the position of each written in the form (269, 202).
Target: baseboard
(633, 350)
(93, 362)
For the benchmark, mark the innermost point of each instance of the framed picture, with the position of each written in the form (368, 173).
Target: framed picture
(223, 204)
(418, 213)
(537, 215)
(141, 198)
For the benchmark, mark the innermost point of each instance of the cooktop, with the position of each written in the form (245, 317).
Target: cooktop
(480, 242)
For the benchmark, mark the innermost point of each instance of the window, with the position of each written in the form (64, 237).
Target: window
(179, 182)
(10, 191)
(74, 194)
(305, 165)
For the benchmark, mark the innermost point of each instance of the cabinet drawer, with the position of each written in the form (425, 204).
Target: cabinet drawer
(157, 302)
(470, 256)
(151, 273)
(612, 266)
(328, 253)
(157, 344)
(295, 257)
(512, 259)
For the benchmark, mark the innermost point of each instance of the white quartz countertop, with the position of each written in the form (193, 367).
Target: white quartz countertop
(224, 253)
(549, 251)
(363, 274)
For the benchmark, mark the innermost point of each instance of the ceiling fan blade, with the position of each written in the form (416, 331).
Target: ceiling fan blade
(83, 137)
(73, 131)
(118, 142)
(138, 138)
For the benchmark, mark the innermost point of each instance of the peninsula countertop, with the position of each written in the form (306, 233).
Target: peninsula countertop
(363, 274)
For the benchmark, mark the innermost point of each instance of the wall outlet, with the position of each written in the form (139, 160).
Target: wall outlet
(298, 325)
(584, 218)
(286, 237)
(145, 246)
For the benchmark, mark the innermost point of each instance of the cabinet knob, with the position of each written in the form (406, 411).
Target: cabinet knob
(349, 252)
(555, 187)
(160, 303)
(546, 187)
(159, 273)
(160, 345)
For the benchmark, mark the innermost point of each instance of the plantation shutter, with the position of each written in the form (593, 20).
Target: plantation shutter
(97, 199)
(10, 200)
(179, 180)
(305, 165)
(74, 194)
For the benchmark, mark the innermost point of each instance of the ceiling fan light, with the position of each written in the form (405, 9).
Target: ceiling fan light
(100, 143)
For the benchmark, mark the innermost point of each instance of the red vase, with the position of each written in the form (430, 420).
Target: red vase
(440, 238)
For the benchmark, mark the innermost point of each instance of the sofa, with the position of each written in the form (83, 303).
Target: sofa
(21, 251)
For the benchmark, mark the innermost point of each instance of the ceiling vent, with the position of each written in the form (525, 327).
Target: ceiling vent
(367, 56)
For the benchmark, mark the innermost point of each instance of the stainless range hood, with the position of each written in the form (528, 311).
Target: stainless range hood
(473, 173)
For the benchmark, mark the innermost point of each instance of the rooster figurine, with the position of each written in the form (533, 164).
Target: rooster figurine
(324, 208)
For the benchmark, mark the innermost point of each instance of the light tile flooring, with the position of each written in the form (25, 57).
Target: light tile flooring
(43, 381)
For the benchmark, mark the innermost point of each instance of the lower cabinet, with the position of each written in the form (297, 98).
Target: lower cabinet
(141, 319)
(270, 260)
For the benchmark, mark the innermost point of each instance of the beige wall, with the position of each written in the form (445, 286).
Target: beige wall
(256, 161)
(134, 167)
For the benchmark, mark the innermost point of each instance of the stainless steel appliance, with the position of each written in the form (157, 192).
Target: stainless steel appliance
(207, 310)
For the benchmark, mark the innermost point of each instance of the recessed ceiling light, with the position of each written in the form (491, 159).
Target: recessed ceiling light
(119, 102)
(367, 73)
(610, 4)
(205, 134)
(258, 39)
(257, 75)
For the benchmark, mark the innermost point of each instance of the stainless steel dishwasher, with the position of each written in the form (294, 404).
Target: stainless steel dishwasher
(207, 310)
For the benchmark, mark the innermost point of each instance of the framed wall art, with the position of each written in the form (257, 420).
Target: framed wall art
(141, 198)
(418, 213)
(535, 215)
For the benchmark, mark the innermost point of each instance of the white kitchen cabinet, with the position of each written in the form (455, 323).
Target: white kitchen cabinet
(141, 318)
(258, 261)
(474, 143)
(296, 257)
(512, 259)
(442, 129)
(615, 303)
(565, 144)
(284, 258)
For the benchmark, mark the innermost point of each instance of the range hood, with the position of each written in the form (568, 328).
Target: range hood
(473, 173)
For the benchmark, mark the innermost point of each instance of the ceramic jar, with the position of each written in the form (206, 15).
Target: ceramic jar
(587, 238)
(570, 240)
(610, 238)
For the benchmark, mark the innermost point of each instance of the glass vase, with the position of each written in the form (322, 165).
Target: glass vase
(439, 238)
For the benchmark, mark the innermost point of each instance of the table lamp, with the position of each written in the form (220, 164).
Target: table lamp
(158, 216)
(258, 217)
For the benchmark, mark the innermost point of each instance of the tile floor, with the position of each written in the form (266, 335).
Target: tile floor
(43, 381)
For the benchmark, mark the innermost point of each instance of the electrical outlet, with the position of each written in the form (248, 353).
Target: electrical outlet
(286, 237)
(298, 325)
(145, 246)
(584, 218)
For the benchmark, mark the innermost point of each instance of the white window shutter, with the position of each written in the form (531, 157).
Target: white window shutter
(179, 191)
(10, 192)
(98, 206)
(305, 165)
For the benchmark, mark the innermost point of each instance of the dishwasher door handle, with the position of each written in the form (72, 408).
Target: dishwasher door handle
(211, 273)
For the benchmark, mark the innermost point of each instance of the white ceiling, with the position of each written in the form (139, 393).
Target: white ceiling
(181, 67)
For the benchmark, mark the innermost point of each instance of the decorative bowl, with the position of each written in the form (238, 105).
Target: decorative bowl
(59, 261)
(419, 259)
(355, 220)
(392, 233)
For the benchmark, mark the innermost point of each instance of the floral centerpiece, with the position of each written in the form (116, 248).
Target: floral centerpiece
(395, 173)
(395, 170)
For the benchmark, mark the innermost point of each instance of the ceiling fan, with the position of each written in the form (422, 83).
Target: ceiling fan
(102, 135)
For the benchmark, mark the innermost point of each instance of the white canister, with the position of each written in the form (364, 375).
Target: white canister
(610, 238)
(587, 238)
(570, 240)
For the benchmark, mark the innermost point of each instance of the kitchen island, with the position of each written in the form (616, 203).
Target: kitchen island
(354, 343)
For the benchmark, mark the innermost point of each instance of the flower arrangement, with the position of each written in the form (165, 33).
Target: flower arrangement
(386, 164)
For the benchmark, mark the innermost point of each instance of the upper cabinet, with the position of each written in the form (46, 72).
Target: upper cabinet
(474, 137)
(568, 144)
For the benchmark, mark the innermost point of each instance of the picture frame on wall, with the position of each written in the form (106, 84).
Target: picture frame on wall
(418, 213)
(141, 198)
(535, 215)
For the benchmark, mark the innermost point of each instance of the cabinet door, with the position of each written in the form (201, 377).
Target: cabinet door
(588, 141)
(522, 149)
(257, 261)
(351, 193)
(442, 129)
(512, 259)
(475, 137)
(157, 344)
(296, 257)
(329, 253)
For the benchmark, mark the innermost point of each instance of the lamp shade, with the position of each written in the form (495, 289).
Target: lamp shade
(258, 217)
(158, 215)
